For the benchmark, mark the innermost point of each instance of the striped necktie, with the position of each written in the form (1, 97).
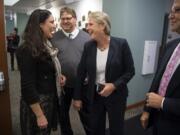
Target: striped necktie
(170, 69)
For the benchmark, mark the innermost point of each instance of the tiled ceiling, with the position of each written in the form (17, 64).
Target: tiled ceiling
(25, 6)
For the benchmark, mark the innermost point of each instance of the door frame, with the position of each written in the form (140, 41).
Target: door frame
(5, 112)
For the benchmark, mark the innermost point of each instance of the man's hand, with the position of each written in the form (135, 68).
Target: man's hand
(62, 80)
(77, 104)
(144, 119)
(153, 100)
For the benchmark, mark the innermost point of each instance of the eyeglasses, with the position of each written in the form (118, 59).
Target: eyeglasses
(175, 10)
(66, 18)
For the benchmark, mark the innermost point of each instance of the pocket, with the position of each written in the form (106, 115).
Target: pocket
(85, 93)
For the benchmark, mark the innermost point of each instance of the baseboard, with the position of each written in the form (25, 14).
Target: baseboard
(137, 104)
(134, 109)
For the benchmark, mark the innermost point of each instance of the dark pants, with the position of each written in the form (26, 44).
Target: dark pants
(84, 114)
(163, 125)
(65, 103)
(115, 110)
(12, 60)
(64, 118)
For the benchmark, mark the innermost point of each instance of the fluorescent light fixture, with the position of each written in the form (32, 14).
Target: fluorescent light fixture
(10, 2)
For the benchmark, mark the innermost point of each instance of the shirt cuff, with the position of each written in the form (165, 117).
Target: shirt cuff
(162, 102)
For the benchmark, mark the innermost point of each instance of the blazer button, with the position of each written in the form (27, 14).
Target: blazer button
(45, 77)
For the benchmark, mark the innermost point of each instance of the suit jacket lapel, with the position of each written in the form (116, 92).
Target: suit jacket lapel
(174, 82)
(165, 61)
(110, 55)
(93, 59)
(175, 77)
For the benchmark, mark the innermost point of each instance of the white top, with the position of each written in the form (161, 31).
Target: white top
(101, 60)
(73, 33)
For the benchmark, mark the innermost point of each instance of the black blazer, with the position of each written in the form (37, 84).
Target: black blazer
(37, 75)
(171, 107)
(119, 69)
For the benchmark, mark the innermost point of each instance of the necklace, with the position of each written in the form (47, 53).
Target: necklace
(102, 49)
(105, 45)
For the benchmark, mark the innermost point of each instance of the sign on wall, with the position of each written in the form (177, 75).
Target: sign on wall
(149, 58)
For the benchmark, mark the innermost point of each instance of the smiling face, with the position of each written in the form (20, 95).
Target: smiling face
(68, 22)
(48, 27)
(94, 29)
(174, 17)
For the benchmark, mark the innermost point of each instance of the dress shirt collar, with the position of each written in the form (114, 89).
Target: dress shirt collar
(74, 33)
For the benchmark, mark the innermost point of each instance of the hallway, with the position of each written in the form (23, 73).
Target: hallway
(132, 116)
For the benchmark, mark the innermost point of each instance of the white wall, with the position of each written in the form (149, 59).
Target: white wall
(82, 8)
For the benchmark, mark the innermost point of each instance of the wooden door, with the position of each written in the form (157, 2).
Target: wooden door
(5, 113)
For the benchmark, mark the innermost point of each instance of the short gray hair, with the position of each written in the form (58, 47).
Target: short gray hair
(101, 18)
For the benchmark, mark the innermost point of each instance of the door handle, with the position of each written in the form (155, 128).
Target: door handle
(2, 81)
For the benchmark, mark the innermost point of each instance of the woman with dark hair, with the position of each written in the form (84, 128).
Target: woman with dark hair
(41, 78)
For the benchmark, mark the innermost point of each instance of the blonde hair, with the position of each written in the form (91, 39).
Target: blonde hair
(101, 18)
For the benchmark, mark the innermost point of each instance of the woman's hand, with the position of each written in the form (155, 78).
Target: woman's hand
(108, 89)
(42, 122)
(41, 119)
(62, 80)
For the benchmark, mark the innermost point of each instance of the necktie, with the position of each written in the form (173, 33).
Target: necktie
(70, 36)
(170, 68)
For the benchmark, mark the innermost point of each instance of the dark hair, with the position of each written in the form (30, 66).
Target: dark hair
(68, 10)
(16, 30)
(33, 35)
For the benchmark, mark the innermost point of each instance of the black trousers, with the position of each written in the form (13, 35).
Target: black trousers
(64, 117)
(85, 116)
(163, 125)
(97, 118)
(12, 60)
(64, 106)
